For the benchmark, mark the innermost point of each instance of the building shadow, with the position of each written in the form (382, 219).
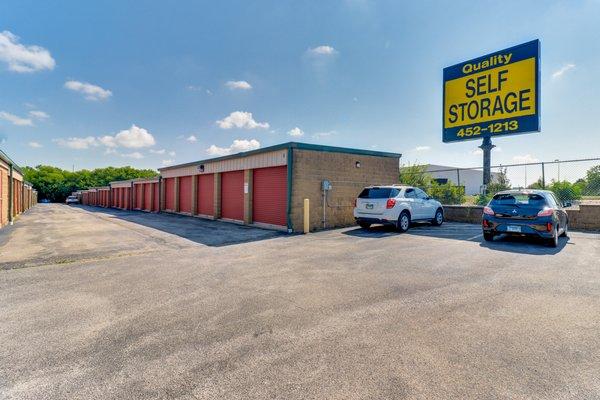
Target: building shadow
(465, 232)
(208, 232)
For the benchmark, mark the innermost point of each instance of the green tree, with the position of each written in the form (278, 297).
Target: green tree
(415, 175)
(499, 183)
(592, 179)
(536, 185)
(56, 184)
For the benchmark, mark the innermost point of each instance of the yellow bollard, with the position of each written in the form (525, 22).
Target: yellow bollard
(306, 216)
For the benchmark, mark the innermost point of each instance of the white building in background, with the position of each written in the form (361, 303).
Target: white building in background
(471, 179)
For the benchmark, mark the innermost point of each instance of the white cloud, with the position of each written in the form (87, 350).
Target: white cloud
(166, 163)
(238, 85)
(320, 51)
(23, 58)
(136, 155)
(524, 159)
(161, 151)
(35, 145)
(134, 137)
(296, 132)
(77, 143)
(191, 139)
(242, 120)
(561, 71)
(172, 153)
(38, 114)
(90, 92)
(15, 120)
(319, 135)
(422, 148)
(479, 152)
(237, 146)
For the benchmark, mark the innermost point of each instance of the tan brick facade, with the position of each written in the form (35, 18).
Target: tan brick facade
(311, 167)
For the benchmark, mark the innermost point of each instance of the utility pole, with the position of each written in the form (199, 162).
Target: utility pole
(558, 164)
(487, 147)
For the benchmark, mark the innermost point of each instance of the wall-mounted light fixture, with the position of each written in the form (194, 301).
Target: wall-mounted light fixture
(357, 164)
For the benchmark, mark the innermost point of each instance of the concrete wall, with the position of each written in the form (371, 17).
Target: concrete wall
(587, 217)
(310, 168)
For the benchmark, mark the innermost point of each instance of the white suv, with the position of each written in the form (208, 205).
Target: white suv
(396, 205)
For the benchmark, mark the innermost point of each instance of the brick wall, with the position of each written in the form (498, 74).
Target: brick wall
(587, 217)
(310, 168)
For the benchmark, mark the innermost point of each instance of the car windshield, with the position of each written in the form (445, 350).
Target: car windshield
(377, 193)
(518, 199)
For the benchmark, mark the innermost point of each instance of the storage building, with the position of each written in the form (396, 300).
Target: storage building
(16, 195)
(267, 187)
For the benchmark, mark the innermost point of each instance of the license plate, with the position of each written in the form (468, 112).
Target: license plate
(369, 206)
(513, 228)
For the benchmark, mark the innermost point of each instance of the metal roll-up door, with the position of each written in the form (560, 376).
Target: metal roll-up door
(139, 196)
(185, 194)
(156, 188)
(232, 195)
(147, 197)
(127, 198)
(269, 195)
(206, 194)
(170, 194)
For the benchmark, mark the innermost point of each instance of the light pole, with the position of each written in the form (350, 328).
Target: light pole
(558, 163)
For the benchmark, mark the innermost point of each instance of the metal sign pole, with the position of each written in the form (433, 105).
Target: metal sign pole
(487, 147)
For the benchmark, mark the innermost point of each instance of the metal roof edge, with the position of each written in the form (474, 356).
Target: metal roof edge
(4, 157)
(287, 145)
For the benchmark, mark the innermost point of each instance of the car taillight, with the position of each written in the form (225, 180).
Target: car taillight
(486, 224)
(546, 212)
(488, 211)
(390, 203)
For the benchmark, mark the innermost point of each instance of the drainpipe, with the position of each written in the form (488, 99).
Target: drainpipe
(10, 194)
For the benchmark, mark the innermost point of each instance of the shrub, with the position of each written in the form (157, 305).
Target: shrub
(483, 200)
(447, 193)
(566, 191)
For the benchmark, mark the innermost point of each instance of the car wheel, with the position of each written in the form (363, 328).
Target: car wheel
(403, 221)
(439, 218)
(565, 231)
(553, 242)
(364, 225)
(488, 236)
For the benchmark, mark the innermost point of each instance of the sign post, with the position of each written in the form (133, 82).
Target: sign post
(493, 95)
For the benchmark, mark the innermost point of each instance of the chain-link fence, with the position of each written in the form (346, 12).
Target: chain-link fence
(573, 181)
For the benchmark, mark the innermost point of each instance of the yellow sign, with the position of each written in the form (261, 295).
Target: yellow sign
(492, 94)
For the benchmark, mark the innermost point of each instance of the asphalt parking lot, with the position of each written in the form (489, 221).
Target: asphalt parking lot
(113, 305)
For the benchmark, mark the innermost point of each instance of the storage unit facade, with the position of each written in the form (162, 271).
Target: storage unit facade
(16, 195)
(267, 187)
(146, 194)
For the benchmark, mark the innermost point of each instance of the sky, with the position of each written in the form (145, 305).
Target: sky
(156, 83)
